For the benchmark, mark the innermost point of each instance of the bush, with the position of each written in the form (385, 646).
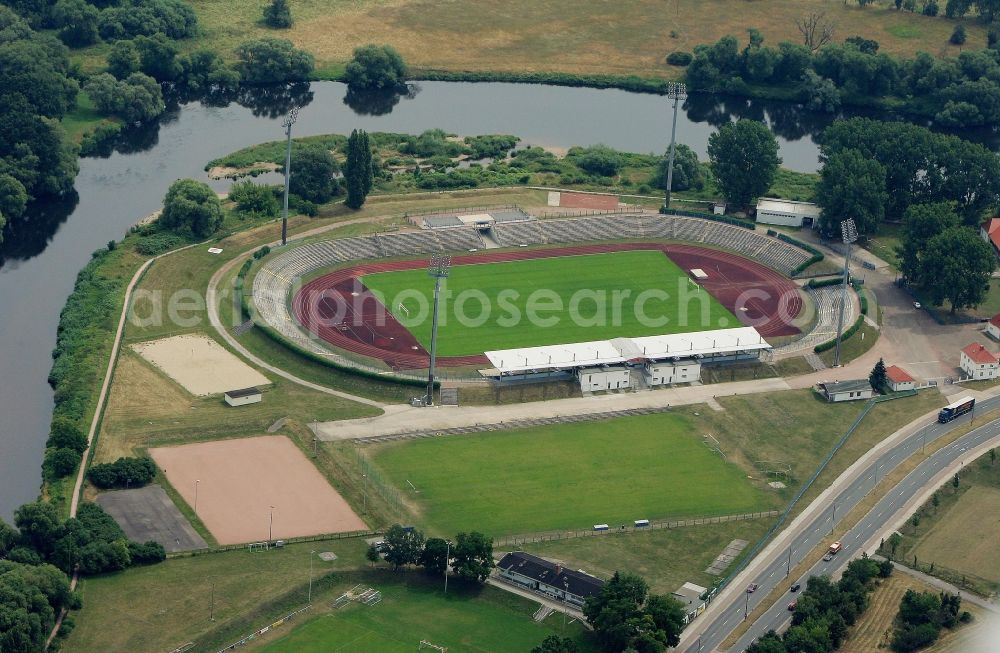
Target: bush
(253, 199)
(278, 14)
(62, 462)
(679, 58)
(147, 553)
(958, 35)
(191, 207)
(273, 61)
(136, 99)
(313, 170)
(821, 283)
(597, 160)
(376, 67)
(64, 434)
(124, 472)
(931, 8)
(830, 344)
(174, 18)
(494, 146)
(157, 243)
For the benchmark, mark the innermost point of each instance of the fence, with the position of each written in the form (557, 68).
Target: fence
(517, 540)
(291, 540)
(261, 631)
(587, 213)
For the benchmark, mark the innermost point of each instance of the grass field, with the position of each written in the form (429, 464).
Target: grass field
(567, 36)
(414, 609)
(579, 303)
(569, 476)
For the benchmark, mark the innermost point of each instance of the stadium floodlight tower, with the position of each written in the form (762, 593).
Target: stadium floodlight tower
(439, 267)
(677, 92)
(293, 115)
(849, 232)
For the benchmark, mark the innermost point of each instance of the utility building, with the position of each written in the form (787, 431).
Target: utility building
(786, 212)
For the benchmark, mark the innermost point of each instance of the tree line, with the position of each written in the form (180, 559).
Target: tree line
(469, 557)
(962, 91)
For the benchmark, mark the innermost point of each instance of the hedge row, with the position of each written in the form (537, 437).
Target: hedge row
(822, 283)
(709, 216)
(632, 83)
(830, 344)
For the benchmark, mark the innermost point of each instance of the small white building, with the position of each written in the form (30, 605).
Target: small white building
(786, 212)
(690, 596)
(993, 328)
(594, 379)
(979, 362)
(847, 390)
(899, 379)
(243, 397)
(667, 372)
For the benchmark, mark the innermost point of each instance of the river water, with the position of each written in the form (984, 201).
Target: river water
(40, 257)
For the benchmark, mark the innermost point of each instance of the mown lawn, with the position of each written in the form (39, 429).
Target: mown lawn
(569, 476)
(548, 301)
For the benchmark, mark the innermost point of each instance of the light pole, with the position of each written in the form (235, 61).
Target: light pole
(438, 269)
(211, 610)
(833, 518)
(270, 523)
(196, 482)
(849, 233)
(788, 567)
(447, 559)
(364, 504)
(746, 607)
(311, 555)
(293, 115)
(677, 92)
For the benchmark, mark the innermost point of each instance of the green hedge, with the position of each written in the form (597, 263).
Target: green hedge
(632, 83)
(708, 216)
(822, 283)
(824, 346)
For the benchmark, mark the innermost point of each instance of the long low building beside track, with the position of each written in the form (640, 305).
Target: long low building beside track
(601, 364)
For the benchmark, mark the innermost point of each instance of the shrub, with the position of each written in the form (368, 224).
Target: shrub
(958, 35)
(191, 207)
(313, 170)
(679, 58)
(375, 67)
(278, 14)
(157, 243)
(146, 553)
(273, 61)
(64, 434)
(493, 146)
(597, 160)
(931, 8)
(124, 472)
(992, 39)
(830, 344)
(174, 18)
(61, 462)
(253, 199)
(821, 283)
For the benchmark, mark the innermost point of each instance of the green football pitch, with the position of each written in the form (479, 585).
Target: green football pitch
(550, 301)
(568, 476)
(488, 620)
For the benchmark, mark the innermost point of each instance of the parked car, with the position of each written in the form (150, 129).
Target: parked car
(796, 587)
(751, 588)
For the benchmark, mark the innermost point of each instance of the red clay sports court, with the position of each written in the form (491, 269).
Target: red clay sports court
(372, 331)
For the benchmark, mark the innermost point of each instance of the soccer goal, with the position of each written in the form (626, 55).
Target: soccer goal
(258, 546)
(403, 310)
(428, 644)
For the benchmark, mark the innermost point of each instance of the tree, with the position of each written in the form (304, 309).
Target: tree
(32, 596)
(473, 556)
(769, 643)
(958, 35)
(622, 616)
(272, 61)
(915, 520)
(38, 73)
(597, 160)
(957, 265)
(191, 207)
(376, 67)
(204, 70)
(668, 617)
(687, 170)
(174, 18)
(313, 168)
(878, 378)
(816, 30)
(993, 456)
(744, 159)
(851, 187)
(935, 501)
(61, 462)
(955, 481)
(63, 433)
(434, 557)
(136, 99)
(819, 93)
(372, 554)
(124, 59)
(278, 14)
(124, 472)
(13, 197)
(921, 223)
(358, 173)
(556, 644)
(894, 541)
(403, 546)
(77, 22)
(8, 538)
(158, 57)
(39, 525)
(253, 199)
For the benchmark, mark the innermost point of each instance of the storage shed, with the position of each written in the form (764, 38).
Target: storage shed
(243, 397)
(847, 390)
(786, 212)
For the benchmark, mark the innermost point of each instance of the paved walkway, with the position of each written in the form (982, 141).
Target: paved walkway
(557, 606)
(407, 419)
(967, 597)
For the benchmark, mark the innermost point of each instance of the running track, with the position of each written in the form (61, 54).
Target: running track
(363, 326)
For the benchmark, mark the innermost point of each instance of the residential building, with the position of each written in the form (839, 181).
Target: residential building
(898, 379)
(978, 362)
(847, 390)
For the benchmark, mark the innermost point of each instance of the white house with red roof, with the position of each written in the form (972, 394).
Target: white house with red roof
(993, 328)
(979, 362)
(899, 379)
(990, 231)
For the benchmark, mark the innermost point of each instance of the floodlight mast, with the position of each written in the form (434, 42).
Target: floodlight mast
(849, 233)
(677, 92)
(439, 267)
(293, 115)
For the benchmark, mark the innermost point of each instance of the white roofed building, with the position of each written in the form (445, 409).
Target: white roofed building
(786, 212)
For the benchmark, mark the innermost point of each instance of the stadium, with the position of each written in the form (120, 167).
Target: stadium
(530, 298)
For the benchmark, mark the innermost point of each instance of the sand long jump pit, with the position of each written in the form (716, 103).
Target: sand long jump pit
(199, 364)
(238, 481)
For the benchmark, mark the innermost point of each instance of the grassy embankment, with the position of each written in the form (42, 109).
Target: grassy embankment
(972, 560)
(553, 40)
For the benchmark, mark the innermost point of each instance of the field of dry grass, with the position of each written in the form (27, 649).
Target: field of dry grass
(631, 37)
(975, 552)
(873, 631)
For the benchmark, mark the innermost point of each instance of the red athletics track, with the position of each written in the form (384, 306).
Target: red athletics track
(364, 326)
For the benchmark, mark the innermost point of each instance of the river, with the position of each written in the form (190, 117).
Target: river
(39, 260)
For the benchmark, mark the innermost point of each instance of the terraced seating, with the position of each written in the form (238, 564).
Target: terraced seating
(455, 240)
(513, 234)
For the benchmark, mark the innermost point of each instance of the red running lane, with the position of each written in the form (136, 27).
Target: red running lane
(754, 293)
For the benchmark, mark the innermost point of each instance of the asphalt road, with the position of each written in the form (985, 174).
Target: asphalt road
(712, 633)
